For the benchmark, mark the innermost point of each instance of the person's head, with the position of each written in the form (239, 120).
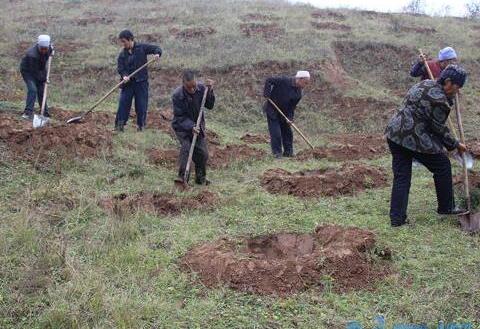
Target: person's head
(302, 79)
(189, 80)
(447, 56)
(126, 39)
(43, 43)
(452, 78)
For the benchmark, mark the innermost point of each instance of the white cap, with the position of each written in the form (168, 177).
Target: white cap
(43, 41)
(303, 75)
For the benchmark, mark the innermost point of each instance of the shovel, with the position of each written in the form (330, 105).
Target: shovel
(291, 123)
(184, 183)
(469, 222)
(78, 119)
(41, 120)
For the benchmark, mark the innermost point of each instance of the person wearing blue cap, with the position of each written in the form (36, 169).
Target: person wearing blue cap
(446, 56)
(418, 131)
(33, 68)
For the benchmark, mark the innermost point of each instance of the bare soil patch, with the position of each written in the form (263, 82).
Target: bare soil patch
(268, 31)
(257, 17)
(157, 203)
(331, 26)
(349, 179)
(251, 138)
(192, 32)
(328, 14)
(286, 263)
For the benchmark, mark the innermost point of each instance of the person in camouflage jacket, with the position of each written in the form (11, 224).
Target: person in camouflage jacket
(418, 131)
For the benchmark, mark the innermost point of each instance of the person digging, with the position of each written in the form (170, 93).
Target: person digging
(446, 56)
(187, 111)
(132, 57)
(419, 131)
(33, 68)
(285, 92)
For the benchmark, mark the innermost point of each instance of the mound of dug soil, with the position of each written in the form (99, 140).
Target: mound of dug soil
(57, 142)
(474, 147)
(328, 14)
(251, 138)
(99, 117)
(348, 147)
(266, 30)
(219, 157)
(157, 203)
(331, 26)
(192, 32)
(287, 263)
(346, 180)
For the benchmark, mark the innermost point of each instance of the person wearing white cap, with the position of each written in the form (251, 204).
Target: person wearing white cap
(446, 56)
(285, 92)
(33, 68)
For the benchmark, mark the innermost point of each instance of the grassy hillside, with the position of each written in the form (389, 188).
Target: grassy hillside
(68, 262)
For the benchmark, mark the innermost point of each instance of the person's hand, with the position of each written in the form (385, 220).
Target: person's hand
(126, 79)
(196, 130)
(461, 148)
(156, 56)
(209, 83)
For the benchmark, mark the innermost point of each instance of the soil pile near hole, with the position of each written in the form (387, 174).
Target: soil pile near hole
(219, 157)
(268, 31)
(328, 14)
(157, 203)
(251, 138)
(99, 117)
(257, 17)
(192, 32)
(348, 147)
(287, 263)
(331, 26)
(58, 142)
(346, 180)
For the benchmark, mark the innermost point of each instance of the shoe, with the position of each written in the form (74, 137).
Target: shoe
(119, 126)
(455, 211)
(399, 222)
(27, 115)
(140, 129)
(277, 156)
(288, 155)
(204, 182)
(46, 114)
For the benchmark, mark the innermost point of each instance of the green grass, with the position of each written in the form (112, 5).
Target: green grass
(65, 263)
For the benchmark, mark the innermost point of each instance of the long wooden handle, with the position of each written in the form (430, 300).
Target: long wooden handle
(464, 160)
(291, 123)
(45, 88)
(430, 74)
(195, 136)
(118, 85)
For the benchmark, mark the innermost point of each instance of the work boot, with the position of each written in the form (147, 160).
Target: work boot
(203, 181)
(119, 126)
(27, 114)
(277, 156)
(399, 223)
(288, 155)
(46, 114)
(140, 128)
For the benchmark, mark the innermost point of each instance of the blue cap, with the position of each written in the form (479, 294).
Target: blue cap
(447, 53)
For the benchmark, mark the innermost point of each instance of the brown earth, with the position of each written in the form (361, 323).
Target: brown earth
(331, 26)
(191, 32)
(268, 31)
(52, 143)
(346, 180)
(93, 19)
(98, 117)
(328, 14)
(418, 29)
(257, 17)
(473, 180)
(157, 203)
(219, 157)
(474, 147)
(153, 20)
(348, 147)
(251, 138)
(286, 263)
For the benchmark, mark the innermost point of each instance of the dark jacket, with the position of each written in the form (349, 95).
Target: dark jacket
(127, 63)
(34, 64)
(283, 92)
(419, 69)
(186, 108)
(419, 125)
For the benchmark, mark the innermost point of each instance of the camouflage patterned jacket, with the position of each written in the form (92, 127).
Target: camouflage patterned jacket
(420, 124)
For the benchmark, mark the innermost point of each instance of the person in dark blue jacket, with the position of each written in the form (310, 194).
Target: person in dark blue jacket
(187, 100)
(285, 92)
(133, 56)
(34, 72)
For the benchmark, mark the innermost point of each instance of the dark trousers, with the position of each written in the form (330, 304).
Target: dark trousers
(131, 90)
(200, 155)
(438, 164)
(35, 90)
(280, 135)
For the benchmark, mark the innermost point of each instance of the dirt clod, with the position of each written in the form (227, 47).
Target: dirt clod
(286, 263)
(157, 203)
(346, 180)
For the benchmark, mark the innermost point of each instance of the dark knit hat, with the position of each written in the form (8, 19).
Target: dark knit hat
(455, 73)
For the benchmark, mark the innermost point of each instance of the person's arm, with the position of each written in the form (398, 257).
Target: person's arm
(179, 112)
(270, 83)
(440, 112)
(418, 69)
(152, 50)
(122, 70)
